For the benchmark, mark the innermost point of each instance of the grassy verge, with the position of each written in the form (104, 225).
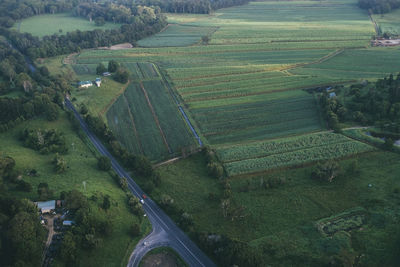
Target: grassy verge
(166, 251)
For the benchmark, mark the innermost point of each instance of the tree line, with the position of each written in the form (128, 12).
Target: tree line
(368, 104)
(192, 6)
(379, 6)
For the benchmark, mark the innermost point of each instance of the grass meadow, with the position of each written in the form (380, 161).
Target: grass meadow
(283, 218)
(389, 22)
(58, 24)
(82, 168)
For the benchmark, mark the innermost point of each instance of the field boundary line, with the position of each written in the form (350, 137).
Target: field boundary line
(107, 107)
(167, 162)
(297, 166)
(288, 151)
(133, 124)
(270, 92)
(155, 117)
(376, 27)
(320, 60)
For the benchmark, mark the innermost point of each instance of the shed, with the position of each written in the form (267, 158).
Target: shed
(331, 95)
(98, 82)
(85, 84)
(105, 74)
(68, 223)
(47, 206)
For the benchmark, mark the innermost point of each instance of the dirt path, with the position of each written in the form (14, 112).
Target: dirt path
(155, 117)
(133, 125)
(167, 162)
(70, 59)
(50, 228)
(376, 27)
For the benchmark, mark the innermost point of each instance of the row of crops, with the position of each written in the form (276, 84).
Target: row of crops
(142, 70)
(258, 120)
(289, 152)
(146, 121)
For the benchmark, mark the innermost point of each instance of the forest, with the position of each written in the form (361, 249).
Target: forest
(379, 6)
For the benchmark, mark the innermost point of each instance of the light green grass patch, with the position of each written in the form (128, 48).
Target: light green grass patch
(50, 24)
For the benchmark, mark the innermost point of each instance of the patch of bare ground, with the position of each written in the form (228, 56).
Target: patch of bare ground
(385, 42)
(117, 47)
(163, 259)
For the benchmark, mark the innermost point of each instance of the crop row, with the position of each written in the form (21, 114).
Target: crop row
(142, 70)
(298, 157)
(280, 129)
(266, 148)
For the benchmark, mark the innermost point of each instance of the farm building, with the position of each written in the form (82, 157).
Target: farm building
(98, 82)
(68, 223)
(331, 95)
(85, 84)
(47, 206)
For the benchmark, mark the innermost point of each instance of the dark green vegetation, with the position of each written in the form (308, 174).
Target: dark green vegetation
(367, 104)
(138, 22)
(379, 6)
(192, 6)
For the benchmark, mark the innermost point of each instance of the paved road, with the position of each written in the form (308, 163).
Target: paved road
(165, 232)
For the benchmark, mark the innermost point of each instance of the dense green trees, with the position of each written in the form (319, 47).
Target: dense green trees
(192, 6)
(368, 104)
(379, 6)
(104, 163)
(44, 141)
(21, 234)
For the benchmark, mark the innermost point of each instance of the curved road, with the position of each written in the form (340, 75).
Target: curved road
(165, 232)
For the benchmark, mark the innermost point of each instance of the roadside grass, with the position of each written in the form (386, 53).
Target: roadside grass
(170, 253)
(289, 208)
(82, 167)
(65, 22)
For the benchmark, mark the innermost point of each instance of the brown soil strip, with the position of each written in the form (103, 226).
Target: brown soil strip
(133, 124)
(70, 59)
(155, 117)
(167, 162)
(105, 109)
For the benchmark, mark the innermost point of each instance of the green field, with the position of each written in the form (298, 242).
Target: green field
(50, 24)
(146, 119)
(280, 221)
(176, 35)
(81, 168)
(389, 22)
(295, 151)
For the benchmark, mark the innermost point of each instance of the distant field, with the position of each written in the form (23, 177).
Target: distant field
(49, 24)
(266, 155)
(246, 85)
(177, 35)
(389, 22)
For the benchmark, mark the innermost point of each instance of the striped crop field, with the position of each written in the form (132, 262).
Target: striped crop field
(145, 118)
(299, 150)
(247, 84)
(259, 120)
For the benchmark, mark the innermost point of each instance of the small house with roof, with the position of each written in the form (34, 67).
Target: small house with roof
(98, 82)
(46, 206)
(85, 84)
